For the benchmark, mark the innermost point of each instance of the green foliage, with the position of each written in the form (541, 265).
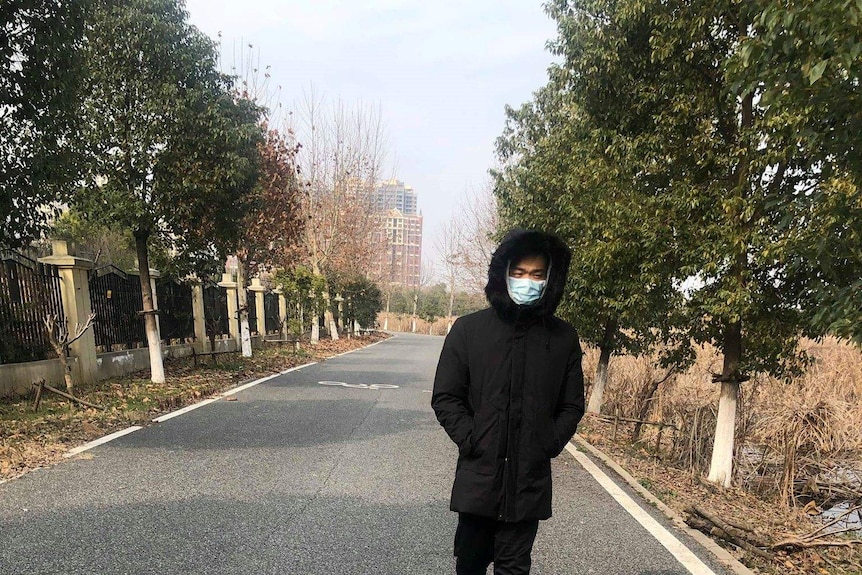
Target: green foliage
(557, 175)
(304, 292)
(172, 153)
(683, 131)
(363, 300)
(433, 303)
(106, 244)
(468, 302)
(40, 85)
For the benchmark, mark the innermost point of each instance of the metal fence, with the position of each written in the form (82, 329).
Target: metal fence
(251, 298)
(272, 320)
(215, 310)
(29, 292)
(116, 300)
(176, 316)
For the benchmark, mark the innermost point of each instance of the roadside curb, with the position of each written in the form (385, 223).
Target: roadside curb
(722, 555)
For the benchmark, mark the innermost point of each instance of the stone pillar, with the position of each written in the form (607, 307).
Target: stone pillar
(199, 315)
(75, 291)
(232, 310)
(259, 291)
(282, 310)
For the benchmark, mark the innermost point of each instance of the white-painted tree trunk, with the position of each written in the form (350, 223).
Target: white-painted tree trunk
(245, 335)
(315, 330)
(333, 330)
(598, 391)
(151, 327)
(386, 322)
(244, 330)
(721, 465)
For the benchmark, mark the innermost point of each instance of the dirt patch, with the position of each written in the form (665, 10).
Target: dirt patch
(31, 440)
(681, 489)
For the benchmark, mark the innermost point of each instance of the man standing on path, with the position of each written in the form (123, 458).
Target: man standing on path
(509, 391)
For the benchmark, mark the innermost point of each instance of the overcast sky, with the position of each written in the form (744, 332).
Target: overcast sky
(441, 71)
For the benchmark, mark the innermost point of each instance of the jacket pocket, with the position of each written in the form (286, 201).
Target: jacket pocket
(545, 438)
(482, 457)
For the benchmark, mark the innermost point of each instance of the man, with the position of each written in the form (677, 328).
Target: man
(509, 391)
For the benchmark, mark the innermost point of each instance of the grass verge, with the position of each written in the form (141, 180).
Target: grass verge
(680, 489)
(29, 440)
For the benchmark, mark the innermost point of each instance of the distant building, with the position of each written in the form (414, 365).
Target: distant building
(394, 195)
(399, 234)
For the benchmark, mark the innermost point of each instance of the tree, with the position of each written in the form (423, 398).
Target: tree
(108, 245)
(273, 225)
(363, 302)
(342, 155)
(450, 247)
(662, 82)
(556, 175)
(174, 155)
(426, 274)
(40, 88)
(306, 290)
(477, 224)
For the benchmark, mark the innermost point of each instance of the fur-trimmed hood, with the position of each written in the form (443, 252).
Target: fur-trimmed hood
(517, 243)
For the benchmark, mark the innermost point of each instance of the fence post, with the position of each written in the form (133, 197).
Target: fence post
(232, 311)
(259, 308)
(75, 291)
(201, 340)
(282, 310)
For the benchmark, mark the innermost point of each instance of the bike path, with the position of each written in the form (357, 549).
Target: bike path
(298, 477)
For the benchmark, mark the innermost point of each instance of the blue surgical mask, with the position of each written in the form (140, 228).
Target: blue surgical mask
(525, 291)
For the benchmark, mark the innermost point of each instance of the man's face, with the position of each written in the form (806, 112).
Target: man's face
(531, 267)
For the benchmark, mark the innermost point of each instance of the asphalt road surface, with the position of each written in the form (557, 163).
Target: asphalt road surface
(296, 477)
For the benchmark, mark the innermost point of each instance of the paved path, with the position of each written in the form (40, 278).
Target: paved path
(297, 478)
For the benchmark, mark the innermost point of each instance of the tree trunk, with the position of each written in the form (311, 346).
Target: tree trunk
(451, 303)
(721, 465)
(598, 391)
(315, 328)
(646, 403)
(157, 368)
(415, 304)
(245, 332)
(301, 315)
(388, 299)
(67, 372)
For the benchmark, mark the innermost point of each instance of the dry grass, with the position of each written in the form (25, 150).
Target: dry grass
(795, 440)
(791, 436)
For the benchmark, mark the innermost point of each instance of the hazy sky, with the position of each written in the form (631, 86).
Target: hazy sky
(440, 70)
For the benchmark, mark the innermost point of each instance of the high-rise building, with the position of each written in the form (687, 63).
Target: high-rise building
(394, 195)
(399, 233)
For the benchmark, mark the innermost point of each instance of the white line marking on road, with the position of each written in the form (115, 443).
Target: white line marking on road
(427, 391)
(298, 367)
(228, 393)
(185, 409)
(366, 347)
(682, 553)
(243, 387)
(101, 440)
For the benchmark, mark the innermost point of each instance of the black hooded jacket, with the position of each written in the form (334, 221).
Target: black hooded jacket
(509, 390)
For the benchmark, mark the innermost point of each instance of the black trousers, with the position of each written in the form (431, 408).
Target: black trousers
(481, 540)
